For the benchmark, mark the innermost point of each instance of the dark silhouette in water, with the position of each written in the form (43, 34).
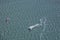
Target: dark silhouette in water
(29, 29)
(7, 20)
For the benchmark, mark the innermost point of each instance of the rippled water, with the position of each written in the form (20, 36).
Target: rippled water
(24, 13)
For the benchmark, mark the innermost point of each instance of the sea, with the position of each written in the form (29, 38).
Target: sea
(16, 16)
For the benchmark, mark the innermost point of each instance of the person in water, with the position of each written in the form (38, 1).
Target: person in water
(7, 20)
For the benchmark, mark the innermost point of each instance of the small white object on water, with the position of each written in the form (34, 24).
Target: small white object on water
(42, 21)
(33, 26)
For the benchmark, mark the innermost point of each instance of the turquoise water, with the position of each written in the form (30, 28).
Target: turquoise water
(24, 13)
